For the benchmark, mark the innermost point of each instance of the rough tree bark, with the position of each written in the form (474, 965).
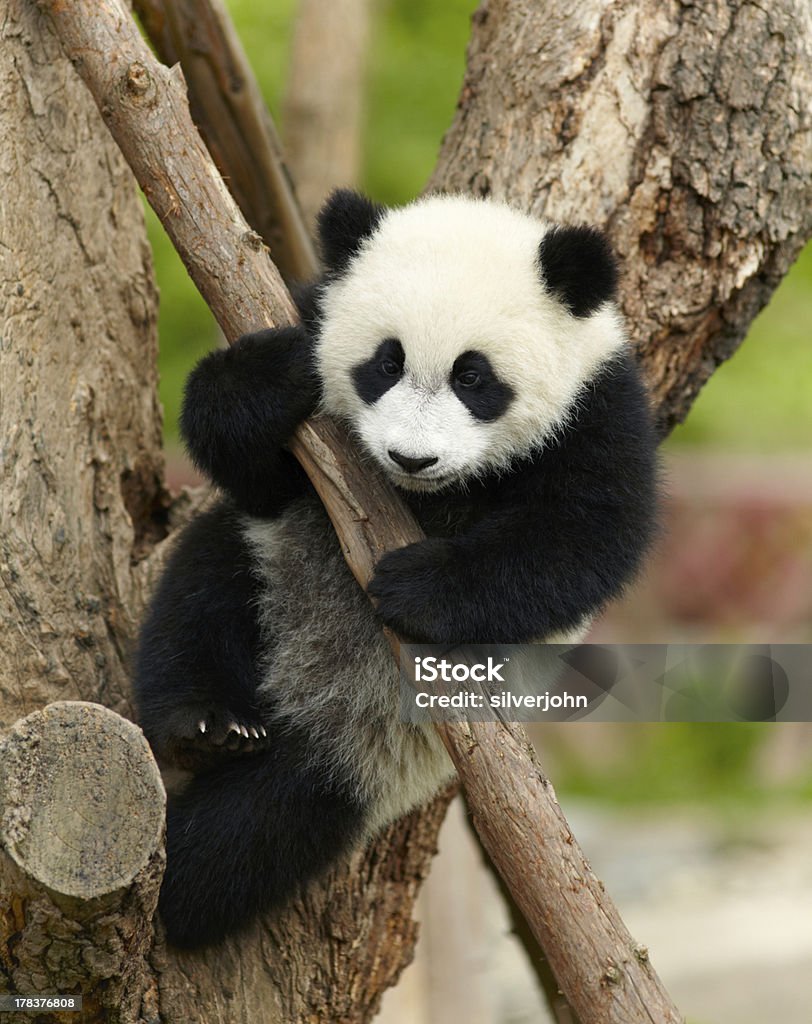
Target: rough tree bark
(273, 968)
(80, 465)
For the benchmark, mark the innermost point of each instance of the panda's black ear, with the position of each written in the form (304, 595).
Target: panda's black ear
(345, 220)
(578, 267)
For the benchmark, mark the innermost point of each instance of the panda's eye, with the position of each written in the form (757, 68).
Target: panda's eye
(469, 379)
(390, 368)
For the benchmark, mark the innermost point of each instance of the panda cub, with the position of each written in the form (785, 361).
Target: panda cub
(478, 358)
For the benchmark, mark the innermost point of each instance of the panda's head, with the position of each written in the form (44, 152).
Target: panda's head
(456, 333)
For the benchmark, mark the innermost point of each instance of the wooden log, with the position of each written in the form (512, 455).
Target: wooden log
(81, 831)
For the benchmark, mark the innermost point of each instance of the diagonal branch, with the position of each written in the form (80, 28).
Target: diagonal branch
(605, 976)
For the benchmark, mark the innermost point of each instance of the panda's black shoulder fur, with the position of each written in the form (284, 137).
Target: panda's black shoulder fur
(307, 296)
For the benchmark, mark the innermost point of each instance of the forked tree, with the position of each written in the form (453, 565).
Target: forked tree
(683, 129)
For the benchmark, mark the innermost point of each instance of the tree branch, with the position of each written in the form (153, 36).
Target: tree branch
(539, 963)
(600, 969)
(228, 108)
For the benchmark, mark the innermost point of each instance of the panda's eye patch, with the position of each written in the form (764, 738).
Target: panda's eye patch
(476, 384)
(469, 379)
(376, 375)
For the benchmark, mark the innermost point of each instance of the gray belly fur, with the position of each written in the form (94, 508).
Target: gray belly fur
(329, 671)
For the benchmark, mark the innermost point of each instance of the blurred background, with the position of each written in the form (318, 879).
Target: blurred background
(703, 833)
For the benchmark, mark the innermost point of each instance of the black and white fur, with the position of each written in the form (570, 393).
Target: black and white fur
(478, 357)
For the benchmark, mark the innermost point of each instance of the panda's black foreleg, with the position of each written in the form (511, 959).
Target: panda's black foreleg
(241, 406)
(245, 839)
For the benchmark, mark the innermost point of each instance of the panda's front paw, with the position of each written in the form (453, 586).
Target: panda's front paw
(417, 594)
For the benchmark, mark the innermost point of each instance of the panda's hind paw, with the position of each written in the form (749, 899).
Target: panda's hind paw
(197, 737)
(239, 733)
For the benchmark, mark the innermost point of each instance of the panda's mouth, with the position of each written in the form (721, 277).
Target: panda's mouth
(419, 481)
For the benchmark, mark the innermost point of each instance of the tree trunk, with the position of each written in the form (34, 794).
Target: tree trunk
(323, 109)
(684, 129)
(81, 471)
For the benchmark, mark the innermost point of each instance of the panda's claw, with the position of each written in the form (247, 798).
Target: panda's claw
(199, 736)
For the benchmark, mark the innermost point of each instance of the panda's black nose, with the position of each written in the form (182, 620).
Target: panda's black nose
(409, 464)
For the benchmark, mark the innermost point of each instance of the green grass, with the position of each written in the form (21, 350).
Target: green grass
(675, 762)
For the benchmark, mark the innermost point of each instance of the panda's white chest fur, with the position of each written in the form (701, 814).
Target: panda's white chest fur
(329, 671)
